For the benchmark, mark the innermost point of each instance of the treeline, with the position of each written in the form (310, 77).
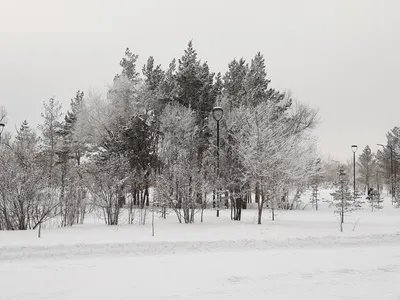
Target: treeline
(374, 170)
(156, 130)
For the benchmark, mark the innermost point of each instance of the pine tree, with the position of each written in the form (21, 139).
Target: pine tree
(128, 64)
(218, 86)
(366, 165)
(51, 127)
(343, 200)
(315, 182)
(257, 91)
(28, 176)
(70, 150)
(188, 79)
(234, 83)
(71, 116)
(393, 136)
(195, 85)
(393, 140)
(77, 146)
(256, 82)
(384, 166)
(168, 86)
(26, 138)
(233, 96)
(196, 91)
(153, 75)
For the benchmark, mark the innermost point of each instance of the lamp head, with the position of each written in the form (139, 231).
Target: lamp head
(217, 113)
(354, 148)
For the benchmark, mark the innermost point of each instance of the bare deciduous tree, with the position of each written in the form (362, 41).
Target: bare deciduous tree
(272, 153)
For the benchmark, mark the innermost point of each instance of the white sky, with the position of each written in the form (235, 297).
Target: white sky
(341, 56)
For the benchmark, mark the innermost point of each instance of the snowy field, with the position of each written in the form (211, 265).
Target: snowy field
(300, 255)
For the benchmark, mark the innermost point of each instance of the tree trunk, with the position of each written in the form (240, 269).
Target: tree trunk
(233, 205)
(63, 206)
(40, 230)
(257, 193)
(147, 195)
(203, 206)
(239, 209)
(218, 201)
(260, 208)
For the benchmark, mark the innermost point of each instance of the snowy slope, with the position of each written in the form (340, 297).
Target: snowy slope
(301, 255)
(370, 272)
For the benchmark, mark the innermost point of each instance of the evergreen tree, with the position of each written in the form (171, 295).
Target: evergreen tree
(138, 142)
(195, 84)
(28, 177)
(218, 86)
(128, 64)
(366, 166)
(71, 116)
(26, 139)
(50, 129)
(343, 200)
(316, 180)
(188, 79)
(169, 86)
(153, 75)
(393, 140)
(393, 136)
(234, 82)
(257, 91)
(383, 162)
(77, 146)
(256, 82)
(70, 151)
(233, 96)
(196, 91)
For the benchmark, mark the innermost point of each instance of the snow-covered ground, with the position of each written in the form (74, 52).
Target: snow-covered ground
(301, 255)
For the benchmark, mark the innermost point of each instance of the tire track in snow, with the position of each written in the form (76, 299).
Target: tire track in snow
(146, 248)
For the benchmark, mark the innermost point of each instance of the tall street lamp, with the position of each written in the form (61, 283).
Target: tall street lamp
(2, 125)
(354, 149)
(218, 113)
(391, 167)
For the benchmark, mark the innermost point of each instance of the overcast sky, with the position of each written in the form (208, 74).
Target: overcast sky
(341, 56)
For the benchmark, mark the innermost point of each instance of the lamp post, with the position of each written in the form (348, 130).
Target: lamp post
(354, 149)
(2, 125)
(391, 168)
(218, 113)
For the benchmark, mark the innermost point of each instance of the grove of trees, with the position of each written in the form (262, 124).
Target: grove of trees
(154, 131)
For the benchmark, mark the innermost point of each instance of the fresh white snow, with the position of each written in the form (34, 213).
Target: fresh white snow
(301, 255)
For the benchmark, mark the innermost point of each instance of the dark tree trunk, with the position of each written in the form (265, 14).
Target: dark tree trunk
(146, 195)
(214, 202)
(238, 202)
(259, 214)
(257, 192)
(134, 196)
